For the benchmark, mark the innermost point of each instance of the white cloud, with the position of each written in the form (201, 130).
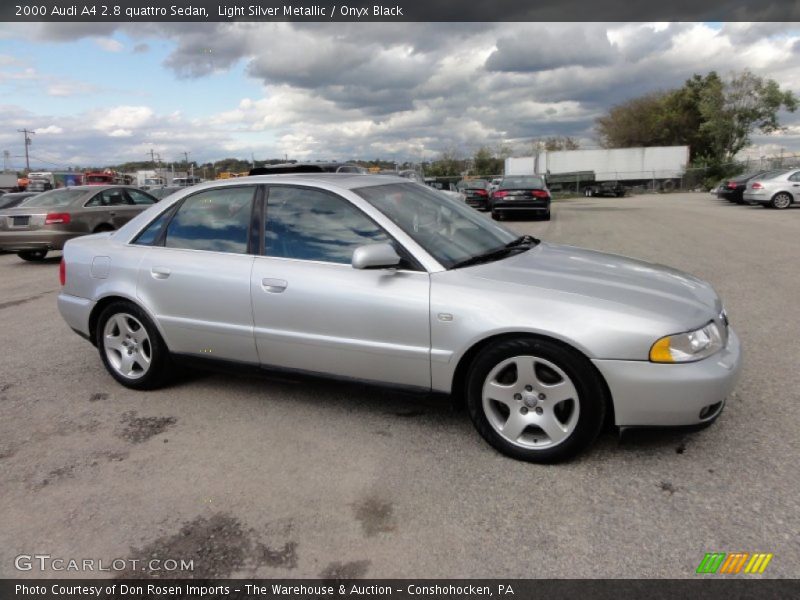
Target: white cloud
(50, 130)
(109, 44)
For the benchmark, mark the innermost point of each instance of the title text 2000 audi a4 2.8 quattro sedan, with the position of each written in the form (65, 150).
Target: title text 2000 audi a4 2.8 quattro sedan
(375, 278)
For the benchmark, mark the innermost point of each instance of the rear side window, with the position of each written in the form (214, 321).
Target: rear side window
(150, 234)
(217, 220)
(308, 224)
(140, 197)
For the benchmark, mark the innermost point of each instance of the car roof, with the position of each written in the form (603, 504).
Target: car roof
(346, 181)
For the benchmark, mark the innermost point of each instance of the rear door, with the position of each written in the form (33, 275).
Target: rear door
(195, 277)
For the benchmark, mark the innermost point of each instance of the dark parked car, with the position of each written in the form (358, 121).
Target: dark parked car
(612, 189)
(476, 192)
(521, 194)
(46, 221)
(733, 189)
(13, 199)
(320, 167)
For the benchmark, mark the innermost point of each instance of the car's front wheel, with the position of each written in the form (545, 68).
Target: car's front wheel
(32, 255)
(534, 399)
(781, 201)
(131, 347)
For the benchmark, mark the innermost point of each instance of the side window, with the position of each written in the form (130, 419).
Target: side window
(115, 197)
(795, 176)
(139, 197)
(217, 220)
(151, 232)
(312, 225)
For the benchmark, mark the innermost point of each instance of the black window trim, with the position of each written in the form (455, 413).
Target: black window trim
(408, 261)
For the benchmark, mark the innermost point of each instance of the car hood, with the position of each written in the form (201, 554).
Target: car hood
(641, 286)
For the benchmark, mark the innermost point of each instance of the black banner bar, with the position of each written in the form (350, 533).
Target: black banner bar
(398, 10)
(712, 587)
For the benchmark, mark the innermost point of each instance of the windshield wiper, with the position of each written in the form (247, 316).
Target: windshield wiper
(516, 247)
(523, 240)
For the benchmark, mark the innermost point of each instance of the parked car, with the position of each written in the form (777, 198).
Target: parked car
(13, 199)
(777, 189)
(521, 194)
(733, 189)
(612, 189)
(160, 193)
(46, 221)
(476, 192)
(380, 279)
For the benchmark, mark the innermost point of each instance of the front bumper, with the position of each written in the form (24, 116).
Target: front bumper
(651, 394)
(14, 241)
(76, 312)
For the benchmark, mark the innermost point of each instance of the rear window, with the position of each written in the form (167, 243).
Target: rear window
(522, 182)
(61, 197)
(476, 184)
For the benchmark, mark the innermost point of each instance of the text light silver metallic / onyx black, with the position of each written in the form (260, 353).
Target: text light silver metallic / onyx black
(375, 278)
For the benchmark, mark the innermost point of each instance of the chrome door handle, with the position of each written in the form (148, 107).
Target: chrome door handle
(160, 272)
(274, 286)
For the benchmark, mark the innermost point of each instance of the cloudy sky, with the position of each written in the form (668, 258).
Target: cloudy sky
(100, 94)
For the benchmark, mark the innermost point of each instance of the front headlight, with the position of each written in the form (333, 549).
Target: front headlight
(687, 347)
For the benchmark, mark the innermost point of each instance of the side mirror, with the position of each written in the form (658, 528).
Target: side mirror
(375, 256)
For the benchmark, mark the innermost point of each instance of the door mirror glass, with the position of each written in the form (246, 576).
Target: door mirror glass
(375, 256)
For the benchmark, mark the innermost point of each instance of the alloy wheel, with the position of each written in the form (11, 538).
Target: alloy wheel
(127, 346)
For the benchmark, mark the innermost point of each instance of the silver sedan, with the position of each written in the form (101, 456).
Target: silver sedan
(379, 279)
(775, 189)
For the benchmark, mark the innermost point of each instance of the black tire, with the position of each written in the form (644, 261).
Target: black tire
(546, 216)
(592, 401)
(103, 228)
(497, 216)
(33, 255)
(160, 362)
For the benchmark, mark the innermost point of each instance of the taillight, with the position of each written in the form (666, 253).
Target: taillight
(62, 272)
(757, 186)
(500, 194)
(481, 192)
(732, 185)
(539, 194)
(57, 219)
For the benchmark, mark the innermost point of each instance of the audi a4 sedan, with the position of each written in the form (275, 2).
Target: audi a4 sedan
(47, 220)
(378, 279)
(521, 194)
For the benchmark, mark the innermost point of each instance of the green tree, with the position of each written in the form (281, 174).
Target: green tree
(714, 117)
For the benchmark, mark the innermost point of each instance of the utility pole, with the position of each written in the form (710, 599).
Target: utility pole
(28, 135)
(6, 160)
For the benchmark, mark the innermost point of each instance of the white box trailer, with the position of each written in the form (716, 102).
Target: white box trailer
(525, 165)
(619, 164)
(8, 180)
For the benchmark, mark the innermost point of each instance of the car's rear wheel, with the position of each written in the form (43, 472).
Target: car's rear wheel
(103, 228)
(535, 399)
(781, 201)
(497, 215)
(33, 255)
(131, 348)
(546, 216)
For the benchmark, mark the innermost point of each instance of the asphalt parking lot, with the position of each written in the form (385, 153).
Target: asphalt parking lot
(266, 477)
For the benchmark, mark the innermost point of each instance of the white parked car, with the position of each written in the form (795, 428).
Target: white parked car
(775, 190)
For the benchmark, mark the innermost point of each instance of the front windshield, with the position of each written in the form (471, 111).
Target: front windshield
(60, 197)
(447, 229)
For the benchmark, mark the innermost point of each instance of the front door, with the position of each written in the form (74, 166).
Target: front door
(314, 312)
